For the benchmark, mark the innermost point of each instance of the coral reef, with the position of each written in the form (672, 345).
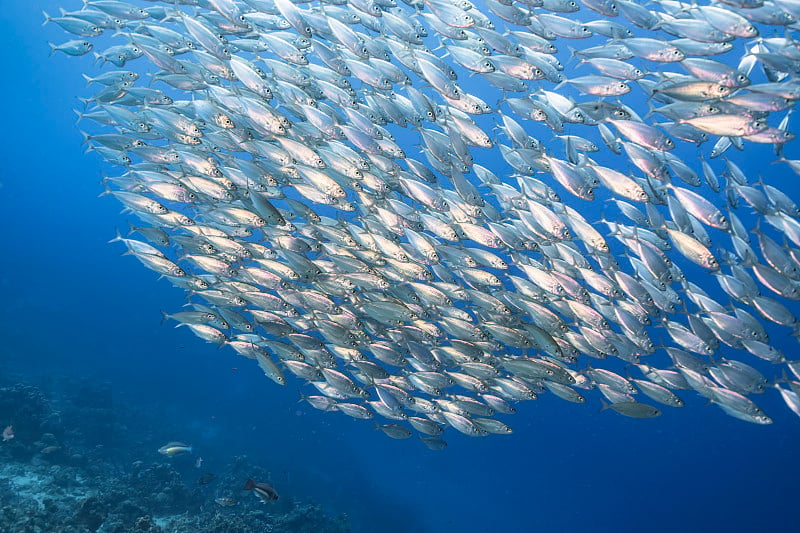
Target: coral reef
(70, 471)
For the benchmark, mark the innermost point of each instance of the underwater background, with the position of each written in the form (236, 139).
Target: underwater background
(83, 348)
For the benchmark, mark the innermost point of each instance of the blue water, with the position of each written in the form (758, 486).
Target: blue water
(71, 306)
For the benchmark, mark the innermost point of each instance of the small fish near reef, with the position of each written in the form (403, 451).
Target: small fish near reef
(8, 433)
(226, 502)
(262, 490)
(206, 478)
(172, 449)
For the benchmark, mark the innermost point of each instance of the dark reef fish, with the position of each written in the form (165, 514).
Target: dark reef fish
(262, 490)
(226, 502)
(206, 478)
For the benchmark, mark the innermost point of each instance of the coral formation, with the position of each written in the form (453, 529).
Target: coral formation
(68, 471)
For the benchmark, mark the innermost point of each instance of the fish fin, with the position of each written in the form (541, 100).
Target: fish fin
(605, 405)
(572, 52)
(106, 189)
(86, 137)
(118, 238)
(249, 485)
(80, 115)
(300, 393)
(47, 18)
(651, 108)
(52, 48)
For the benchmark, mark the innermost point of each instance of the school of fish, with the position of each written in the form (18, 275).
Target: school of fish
(427, 211)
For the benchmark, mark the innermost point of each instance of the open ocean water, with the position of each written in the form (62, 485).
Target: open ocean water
(78, 319)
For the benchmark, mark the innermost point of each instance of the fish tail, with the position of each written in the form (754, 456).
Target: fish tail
(53, 48)
(106, 188)
(80, 115)
(118, 238)
(572, 52)
(47, 18)
(652, 109)
(302, 396)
